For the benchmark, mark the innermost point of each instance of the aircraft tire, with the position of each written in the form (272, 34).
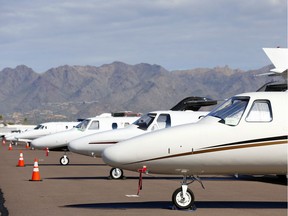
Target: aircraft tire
(64, 161)
(116, 173)
(180, 202)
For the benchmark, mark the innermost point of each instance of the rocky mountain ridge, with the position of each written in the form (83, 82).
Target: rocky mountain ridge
(85, 91)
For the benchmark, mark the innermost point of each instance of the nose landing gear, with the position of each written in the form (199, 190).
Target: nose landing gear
(116, 173)
(64, 160)
(183, 198)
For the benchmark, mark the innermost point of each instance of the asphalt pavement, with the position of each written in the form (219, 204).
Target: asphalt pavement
(82, 188)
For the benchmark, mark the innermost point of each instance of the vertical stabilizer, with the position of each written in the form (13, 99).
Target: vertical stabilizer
(279, 58)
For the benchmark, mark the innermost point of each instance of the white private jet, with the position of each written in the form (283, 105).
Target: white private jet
(8, 132)
(43, 130)
(93, 145)
(247, 134)
(103, 122)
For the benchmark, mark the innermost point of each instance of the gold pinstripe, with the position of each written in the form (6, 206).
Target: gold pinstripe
(251, 145)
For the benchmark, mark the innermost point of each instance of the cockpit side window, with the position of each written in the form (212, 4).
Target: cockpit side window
(164, 121)
(260, 112)
(94, 125)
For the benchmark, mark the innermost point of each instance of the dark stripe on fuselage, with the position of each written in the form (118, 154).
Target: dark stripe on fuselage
(251, 141)
(229, 146)
(103, 143)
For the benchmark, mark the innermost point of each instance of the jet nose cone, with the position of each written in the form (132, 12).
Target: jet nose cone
(73, 146)
(36, 143)
(111, 157)
(80, 146)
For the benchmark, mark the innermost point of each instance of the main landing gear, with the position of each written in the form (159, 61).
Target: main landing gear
(183, 198)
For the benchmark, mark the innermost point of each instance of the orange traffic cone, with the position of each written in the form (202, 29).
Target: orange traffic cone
(10, 146)
(27, 145)
(21, 160)
(36, 173)
(3, 141)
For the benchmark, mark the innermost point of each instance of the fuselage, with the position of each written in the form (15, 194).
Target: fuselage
(247, 134)
(45, 129)
(10, 131)
(93, 145)
(88, 126)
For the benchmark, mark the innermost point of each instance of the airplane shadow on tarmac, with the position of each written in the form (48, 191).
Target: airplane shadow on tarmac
(136, 178)
(264, 179)
(168, 205)
(96, 165)
(198, 204)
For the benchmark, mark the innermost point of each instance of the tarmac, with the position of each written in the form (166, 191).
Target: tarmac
(82, 188)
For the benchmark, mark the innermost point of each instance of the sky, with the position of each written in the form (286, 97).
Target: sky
(176, 34)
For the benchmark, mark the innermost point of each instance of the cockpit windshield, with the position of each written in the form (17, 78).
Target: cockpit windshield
(39, 127)
(83, 125)
(145, 121)
(231, 111)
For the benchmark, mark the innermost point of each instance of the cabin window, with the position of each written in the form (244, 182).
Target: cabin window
(94, 125)
(114, 125)
(164, 121)
(260, 112)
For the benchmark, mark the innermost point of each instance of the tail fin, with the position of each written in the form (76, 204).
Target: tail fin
(279, 58)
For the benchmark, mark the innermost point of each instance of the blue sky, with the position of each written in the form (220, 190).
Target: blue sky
(176, 34)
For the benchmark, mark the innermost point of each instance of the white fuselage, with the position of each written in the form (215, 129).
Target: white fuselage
(252, 142)
(86, 127)
(45, 129)
(93, 145)
(10, 131)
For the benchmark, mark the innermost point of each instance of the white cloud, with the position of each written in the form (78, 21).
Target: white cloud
(173, 33)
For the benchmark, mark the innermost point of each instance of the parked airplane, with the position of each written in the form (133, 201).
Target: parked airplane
(8, 132)
(43, 130)
(103, 122)
(247, 134)
(93, 145)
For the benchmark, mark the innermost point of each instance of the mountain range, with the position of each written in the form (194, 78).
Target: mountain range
(85, 91)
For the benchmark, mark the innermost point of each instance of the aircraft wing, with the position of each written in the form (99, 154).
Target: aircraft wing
(193, 103)
(24, 140)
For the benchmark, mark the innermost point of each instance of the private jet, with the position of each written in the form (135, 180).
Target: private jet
(43, 130)
(100, 123)
(246, 134)
(8, 132)
(93, 145)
